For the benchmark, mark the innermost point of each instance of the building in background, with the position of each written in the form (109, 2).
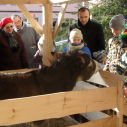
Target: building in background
(6, 10)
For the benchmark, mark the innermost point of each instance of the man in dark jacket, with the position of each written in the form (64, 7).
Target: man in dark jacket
(92, 31)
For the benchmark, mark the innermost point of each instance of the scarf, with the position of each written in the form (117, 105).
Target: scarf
(12, 42)
(72, 46)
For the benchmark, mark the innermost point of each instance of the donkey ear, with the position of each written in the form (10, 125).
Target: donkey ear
(52, 53)
(58, 55)
(82, 62)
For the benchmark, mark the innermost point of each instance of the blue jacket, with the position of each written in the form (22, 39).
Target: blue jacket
(84, 48)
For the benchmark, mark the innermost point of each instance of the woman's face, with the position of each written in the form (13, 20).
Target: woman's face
(8, 28)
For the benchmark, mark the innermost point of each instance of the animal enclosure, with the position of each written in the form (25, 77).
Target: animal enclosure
(21, 110)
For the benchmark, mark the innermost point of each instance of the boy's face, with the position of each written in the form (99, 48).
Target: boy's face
(76, 40)
(115, 32)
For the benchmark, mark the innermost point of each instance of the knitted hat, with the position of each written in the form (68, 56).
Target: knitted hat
(76, 33)
(124, 39)
(5, 21)
(117, 22)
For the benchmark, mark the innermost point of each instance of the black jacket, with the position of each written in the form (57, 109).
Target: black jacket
(92, 35)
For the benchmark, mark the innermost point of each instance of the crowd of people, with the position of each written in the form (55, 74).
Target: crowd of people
(22, 47)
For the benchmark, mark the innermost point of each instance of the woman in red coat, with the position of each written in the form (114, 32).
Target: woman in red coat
(12, 51)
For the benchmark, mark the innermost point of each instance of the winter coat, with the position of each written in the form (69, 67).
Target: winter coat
(121, 65)
(30, 38)
(38, 59)
(71, 46)
(92, 35)
(115, 53)
(9, 60)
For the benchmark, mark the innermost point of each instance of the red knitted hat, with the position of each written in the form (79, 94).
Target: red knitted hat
(5, 21)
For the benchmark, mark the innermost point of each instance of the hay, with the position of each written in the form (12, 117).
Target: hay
(48, 123)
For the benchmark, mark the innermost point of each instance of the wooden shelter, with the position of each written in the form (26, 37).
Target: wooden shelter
(46, 32)
(57, 105)
(85, 99)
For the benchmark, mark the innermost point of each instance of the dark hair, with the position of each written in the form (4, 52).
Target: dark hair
(83, 9)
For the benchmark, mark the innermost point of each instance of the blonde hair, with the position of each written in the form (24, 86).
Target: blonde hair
(40, 44)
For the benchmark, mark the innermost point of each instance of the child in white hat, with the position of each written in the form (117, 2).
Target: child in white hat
(39, 53)
(76, 42)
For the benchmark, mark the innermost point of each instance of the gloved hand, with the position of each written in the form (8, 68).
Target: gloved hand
(100, 55)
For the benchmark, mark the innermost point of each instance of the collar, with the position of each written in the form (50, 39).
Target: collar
(22, 29)
(76, 44)
(82, 26)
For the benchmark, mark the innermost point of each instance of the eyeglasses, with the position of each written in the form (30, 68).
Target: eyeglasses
(15, 23)
(9, 27)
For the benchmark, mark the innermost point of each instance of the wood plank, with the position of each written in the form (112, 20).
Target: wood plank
(106, 78)
(119, 121)
(32, 21)
(81, 85)
(47, 34)
(59, 20)
(125, 106)
(106, 122)
(40, 1)
(24, 1)
(124, 125)
(19, 70)
(63, 1)
(56, 105)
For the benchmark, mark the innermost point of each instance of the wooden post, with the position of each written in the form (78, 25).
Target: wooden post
(119, 121)
(32, 21)
(47, 34)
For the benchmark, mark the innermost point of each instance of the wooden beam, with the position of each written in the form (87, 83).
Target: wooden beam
(32, 21)
(59, 20)
(124, 125)
(119, 121)
(24, 1)
(106, 78)
(40, 1)
(47, 34)
(106, 122)
(125, 106)
(18, 71)
(89, 115)
(15, 111)
(69, 1)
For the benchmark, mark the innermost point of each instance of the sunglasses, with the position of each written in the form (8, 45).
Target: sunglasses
(9, 27)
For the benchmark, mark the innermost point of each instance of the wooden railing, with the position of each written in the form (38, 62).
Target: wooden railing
(88, 99)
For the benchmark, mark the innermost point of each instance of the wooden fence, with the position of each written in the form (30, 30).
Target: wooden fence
(87, 100)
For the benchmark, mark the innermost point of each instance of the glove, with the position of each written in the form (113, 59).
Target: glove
(100, 55)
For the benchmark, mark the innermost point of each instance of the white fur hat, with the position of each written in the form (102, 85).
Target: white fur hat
(76, 33)
(40, 43)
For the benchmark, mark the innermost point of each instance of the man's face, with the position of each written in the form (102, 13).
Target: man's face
(84, 17)
(115, 32)
(17, 22)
